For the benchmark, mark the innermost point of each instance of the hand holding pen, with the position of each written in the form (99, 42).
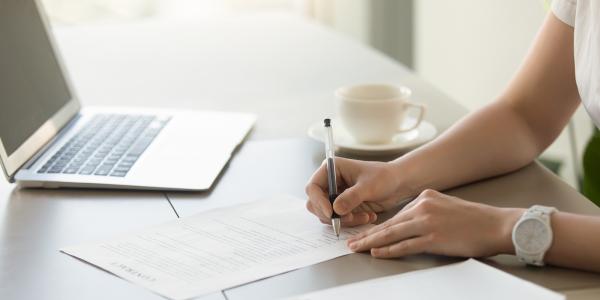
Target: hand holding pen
(356, 203)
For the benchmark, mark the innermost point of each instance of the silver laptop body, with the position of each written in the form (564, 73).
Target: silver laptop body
(48, 140)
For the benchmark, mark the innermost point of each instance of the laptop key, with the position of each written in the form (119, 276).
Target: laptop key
(111, 161)
(87, 170)
(107, 166)
(125, 164)
(131, 158)
(121, 169)
(70, 171)
(96, 161)
(118, 174)
(102, 172)
(55, 170)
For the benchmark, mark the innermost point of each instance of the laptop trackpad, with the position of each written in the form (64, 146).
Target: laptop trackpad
(188, 152)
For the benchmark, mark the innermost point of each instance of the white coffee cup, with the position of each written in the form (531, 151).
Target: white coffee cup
(375, 113)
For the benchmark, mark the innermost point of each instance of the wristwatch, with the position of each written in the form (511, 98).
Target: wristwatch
(532, 235)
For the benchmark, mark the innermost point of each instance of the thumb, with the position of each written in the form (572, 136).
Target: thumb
(348, 200)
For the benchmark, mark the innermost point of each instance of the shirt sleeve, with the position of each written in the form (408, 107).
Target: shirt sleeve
(564, 10)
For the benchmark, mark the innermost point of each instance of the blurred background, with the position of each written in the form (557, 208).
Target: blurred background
(469, 48)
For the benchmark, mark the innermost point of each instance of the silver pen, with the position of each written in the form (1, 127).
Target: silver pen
(331, 180)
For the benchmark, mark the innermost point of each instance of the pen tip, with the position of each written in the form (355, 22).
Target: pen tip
(327, 122)
(336, 224)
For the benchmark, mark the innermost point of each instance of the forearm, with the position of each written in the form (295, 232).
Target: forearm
(510, 132)
(492, 141)
(576, 242)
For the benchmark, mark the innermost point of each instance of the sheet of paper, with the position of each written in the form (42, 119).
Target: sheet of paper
(219, 249)
(465, 280)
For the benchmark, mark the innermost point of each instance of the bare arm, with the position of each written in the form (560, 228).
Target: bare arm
(502, 137)
(512, 131)
(509, 134)
(576, 242)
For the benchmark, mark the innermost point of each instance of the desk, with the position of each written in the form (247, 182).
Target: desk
(36, 223)
(278, 66)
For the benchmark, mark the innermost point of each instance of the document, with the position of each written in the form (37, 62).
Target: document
(466, 280)
(219, 249)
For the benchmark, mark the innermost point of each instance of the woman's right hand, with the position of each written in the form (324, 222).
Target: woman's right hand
(366, 188)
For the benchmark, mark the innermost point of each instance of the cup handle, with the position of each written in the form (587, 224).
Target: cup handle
(421, 108)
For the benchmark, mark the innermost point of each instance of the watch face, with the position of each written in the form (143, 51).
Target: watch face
(532, 236)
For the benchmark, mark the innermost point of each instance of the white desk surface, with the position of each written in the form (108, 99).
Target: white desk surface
(280, 67)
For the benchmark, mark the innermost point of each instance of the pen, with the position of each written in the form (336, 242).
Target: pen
(331, 180)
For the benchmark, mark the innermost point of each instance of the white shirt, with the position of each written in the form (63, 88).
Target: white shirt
(584, 17)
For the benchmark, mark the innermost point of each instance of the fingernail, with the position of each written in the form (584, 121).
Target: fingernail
(374, 217)
(375, 252)
(353, 246)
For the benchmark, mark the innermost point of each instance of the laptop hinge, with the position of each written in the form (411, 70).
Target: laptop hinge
(46, 146)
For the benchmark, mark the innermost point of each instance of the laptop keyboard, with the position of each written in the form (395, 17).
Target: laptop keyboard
(108, 145)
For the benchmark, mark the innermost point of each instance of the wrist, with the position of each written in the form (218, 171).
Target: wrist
(508, 217)
(405, 179)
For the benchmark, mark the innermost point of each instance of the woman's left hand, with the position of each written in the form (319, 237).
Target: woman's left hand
(440, 224)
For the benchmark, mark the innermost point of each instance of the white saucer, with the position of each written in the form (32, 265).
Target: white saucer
(401, 142)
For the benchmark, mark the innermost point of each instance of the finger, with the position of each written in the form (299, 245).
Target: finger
(348, 199)
(320, 177)
(372, 217)
(355, 219)
(403, 248)
(374, 206)
(364, 207)
(388, 236)
(358, 209)
(310, 208)
(320, 201)
(398, 218)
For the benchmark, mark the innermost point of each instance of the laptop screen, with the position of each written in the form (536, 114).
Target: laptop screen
(32, 85)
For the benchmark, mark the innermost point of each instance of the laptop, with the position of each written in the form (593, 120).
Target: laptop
(48, 140)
